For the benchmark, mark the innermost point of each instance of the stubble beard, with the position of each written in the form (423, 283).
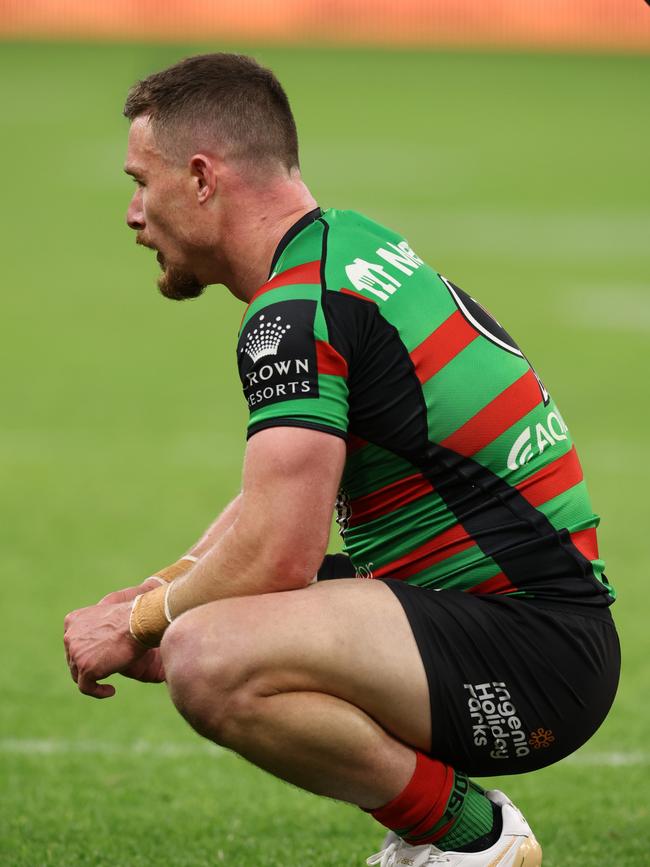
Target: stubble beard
(178, 285)
(174, 283)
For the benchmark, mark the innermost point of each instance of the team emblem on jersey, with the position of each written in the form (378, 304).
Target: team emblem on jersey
(277, 354)
(483, 321)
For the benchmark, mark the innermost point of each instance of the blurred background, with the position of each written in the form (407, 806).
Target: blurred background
(508, 141)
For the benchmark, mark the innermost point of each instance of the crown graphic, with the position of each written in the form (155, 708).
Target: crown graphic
(265, 338)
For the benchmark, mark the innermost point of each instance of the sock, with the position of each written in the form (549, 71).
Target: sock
(440, 806)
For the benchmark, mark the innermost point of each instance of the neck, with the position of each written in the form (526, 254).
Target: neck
(259, 219)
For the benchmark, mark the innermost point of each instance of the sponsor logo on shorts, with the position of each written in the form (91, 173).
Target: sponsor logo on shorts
(541, 738)
(496, 724)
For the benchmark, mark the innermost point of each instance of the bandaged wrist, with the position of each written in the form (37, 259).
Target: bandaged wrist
(150, 616)
(169, 573)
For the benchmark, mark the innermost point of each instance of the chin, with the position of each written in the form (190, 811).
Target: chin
(179, 285)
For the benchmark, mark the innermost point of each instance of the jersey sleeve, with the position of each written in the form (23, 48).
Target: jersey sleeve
(290, 373)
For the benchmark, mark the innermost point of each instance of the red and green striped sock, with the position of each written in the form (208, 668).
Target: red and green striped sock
(441, 806)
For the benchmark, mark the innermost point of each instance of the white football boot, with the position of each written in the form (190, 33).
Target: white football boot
(516, 847)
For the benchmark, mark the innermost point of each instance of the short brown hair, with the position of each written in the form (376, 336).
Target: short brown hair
(228, 99)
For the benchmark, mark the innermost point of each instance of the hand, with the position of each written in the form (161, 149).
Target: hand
(98, 643)
(148, 668)
(129, 593)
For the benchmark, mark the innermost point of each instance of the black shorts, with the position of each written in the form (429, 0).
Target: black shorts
(514, 684)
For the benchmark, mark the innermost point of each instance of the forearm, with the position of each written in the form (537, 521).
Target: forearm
(217, 529)
(252, 557)
(277, 538)
(174, 570)
(257, 554)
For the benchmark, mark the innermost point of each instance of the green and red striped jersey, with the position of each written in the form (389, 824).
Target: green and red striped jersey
(460, 471)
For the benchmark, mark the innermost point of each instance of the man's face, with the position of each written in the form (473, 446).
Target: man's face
(162, 211)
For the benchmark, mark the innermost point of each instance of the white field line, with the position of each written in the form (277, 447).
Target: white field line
(53, 746)
(614, 759)
(169, 749)
(610, 308)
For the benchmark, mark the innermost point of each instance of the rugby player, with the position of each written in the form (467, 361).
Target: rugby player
(476, 636)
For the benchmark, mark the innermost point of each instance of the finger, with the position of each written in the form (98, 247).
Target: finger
(130, 593)
(89, 686)
(112, 598)
(70, 617)
(74, 672)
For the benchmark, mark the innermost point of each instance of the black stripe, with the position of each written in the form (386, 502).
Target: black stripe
(506, 527)
(294, 422)
(288, 236)
(323, 260)
(388, 408)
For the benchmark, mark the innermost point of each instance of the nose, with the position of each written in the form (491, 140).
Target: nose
(135, 212)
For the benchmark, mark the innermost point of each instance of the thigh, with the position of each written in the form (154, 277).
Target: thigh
(348, 638)
(514, 686)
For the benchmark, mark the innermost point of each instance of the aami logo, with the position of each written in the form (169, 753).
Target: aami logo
(277, 354)
(265, 338)
(535, 439)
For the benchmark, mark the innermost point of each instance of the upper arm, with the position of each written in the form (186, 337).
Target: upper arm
(295, 384)
(290, 483)
(291, 375)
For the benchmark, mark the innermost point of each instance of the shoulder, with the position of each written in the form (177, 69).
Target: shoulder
(364, 258)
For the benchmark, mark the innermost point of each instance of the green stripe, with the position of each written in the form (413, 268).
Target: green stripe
(477, 363)
(390, 536)
(415, 294)
(460, 572)
(570, 510)
(331, 408)
(305, 247)
(371, 468)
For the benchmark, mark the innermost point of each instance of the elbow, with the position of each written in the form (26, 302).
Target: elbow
(291, 571)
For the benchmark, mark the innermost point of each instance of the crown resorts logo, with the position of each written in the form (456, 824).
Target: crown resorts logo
(265, 338)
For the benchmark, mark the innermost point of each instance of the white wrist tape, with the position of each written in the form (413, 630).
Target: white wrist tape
(168, 613)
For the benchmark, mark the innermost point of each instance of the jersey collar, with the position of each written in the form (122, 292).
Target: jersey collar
(288, 237)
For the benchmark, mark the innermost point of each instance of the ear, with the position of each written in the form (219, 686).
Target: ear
(203, 170)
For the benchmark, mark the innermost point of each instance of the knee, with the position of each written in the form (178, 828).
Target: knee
(208, 682)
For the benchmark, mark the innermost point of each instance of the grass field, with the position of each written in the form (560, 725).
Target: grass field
(524, 179)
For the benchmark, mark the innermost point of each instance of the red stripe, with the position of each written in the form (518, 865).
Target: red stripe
(553, 479)
(390, 497)
(444, 545)
(356, 295)
(501, 413)
(328, 360)
(442, 345)
(440, 834)
(422, 803)
(586, 542)
(306, 274)
(355, 443)
(498, 583)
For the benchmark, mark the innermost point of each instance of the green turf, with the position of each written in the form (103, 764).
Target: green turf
(524, 179)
